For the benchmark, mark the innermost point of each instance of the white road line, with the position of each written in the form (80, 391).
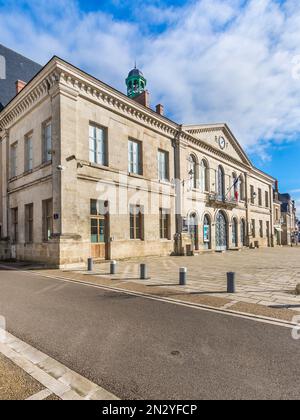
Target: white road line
(40, 395)
(220, 311)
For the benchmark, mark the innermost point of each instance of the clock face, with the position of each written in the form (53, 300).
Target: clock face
(222, 142)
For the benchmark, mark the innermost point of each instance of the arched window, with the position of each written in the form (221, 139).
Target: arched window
(193, 171)
(204, 176)
(221, 183)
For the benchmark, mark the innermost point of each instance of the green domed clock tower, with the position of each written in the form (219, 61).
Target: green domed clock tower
(136, 83)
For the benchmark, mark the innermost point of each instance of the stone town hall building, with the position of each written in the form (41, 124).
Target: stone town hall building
(88, 171)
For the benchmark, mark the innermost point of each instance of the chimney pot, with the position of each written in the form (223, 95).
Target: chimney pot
(20, 85)
(160, 109)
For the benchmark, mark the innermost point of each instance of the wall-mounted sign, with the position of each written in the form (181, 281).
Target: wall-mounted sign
(206, 233)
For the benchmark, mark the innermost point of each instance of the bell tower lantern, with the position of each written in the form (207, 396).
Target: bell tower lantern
(136, 83)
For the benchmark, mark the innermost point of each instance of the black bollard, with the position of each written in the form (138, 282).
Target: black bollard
(90, 264)
(230, 282)
(143, 272)
(113, 267)
(182, 276)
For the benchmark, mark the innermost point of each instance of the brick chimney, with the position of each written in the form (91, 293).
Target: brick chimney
(160, 109)
(143, 98)
(276, 186)
(20, 85)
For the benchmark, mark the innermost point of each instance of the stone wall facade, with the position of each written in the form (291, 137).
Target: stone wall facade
(73, 101)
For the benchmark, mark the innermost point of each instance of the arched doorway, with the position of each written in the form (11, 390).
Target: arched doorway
(243, 232)
(193, 229)
(234, 233)
(206, 232)
(221, 232)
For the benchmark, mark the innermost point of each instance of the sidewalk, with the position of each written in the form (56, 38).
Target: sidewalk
(15, 384)
(28, 374)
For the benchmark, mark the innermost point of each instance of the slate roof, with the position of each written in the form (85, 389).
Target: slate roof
(18, 67)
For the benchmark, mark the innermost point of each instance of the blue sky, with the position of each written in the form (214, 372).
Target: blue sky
(234, 61)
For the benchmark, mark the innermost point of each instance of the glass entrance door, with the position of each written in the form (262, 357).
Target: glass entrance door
(221, 232)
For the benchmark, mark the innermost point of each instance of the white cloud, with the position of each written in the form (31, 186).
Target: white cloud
(226, 60)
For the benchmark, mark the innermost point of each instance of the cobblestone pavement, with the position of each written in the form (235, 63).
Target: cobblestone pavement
(264, 276)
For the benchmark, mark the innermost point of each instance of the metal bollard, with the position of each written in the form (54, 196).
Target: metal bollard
(113, 267)
(90, 264)
(182, 276)
(143, 272)
(230, 282)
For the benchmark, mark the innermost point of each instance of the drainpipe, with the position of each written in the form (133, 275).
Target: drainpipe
(177, 181)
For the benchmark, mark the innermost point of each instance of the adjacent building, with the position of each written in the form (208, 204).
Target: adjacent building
(88, 171)
(289, 220)
(15, 72)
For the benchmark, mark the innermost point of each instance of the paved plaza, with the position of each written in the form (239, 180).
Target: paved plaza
(264, 276)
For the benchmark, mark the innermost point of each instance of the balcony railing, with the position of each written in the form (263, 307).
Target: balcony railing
(220, 200)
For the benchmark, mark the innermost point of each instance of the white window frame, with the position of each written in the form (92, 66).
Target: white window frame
(163, 165)
(28, 153)
(47, 141)
(97, 145)
(13, 159)
(134, 157)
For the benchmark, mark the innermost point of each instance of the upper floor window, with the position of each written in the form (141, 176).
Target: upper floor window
(267, 199)
(47, 141)
(193, 171)
(204, 176)
(13, 160)
(259, 197)
(221, 182)
(252, 194)
(28, 153)
(135, 157)
(97, 145)
(163, 165)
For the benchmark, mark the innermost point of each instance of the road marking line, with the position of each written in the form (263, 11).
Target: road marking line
(220, 311)
(68, 385)
(40, 395)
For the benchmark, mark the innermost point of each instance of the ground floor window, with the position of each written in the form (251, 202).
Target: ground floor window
(29, 223)
(15, 225)
(253, 228)
(136, 222)
(261, 229)
(98, 212)
(243, 232)
(47, 219)
(164, 223)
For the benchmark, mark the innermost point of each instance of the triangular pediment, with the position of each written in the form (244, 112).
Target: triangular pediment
(221, 138)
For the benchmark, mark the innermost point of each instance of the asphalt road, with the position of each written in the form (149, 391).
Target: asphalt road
(144, 349)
